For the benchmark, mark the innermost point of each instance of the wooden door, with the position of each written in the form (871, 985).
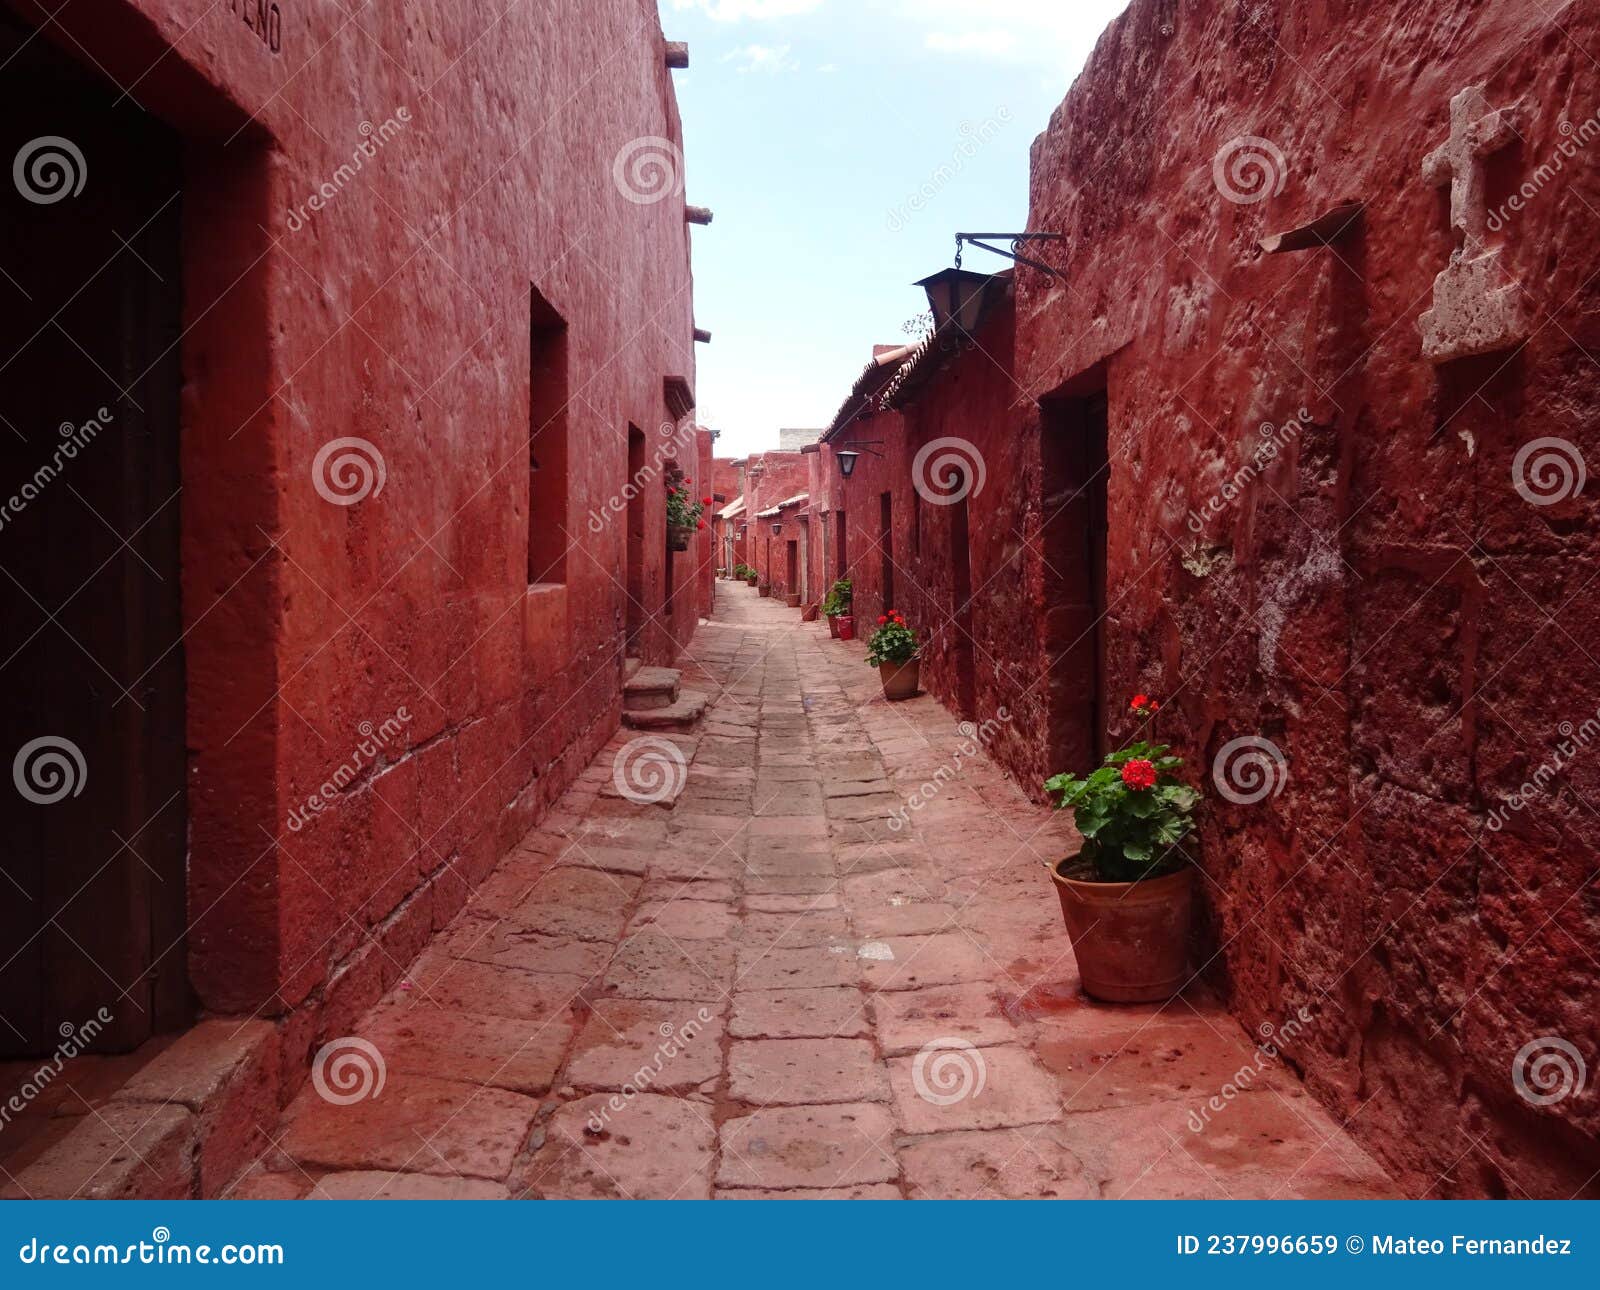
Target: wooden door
(92, 812)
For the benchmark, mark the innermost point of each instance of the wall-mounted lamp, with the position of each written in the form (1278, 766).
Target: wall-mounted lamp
(777, 527)
(847, 457)
(957, 295)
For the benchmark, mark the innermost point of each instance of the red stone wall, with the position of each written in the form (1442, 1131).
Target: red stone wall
(726, 482)
(770, 477)
(1379, 601)
(453, 172)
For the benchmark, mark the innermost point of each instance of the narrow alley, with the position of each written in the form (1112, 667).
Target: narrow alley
(810, 948)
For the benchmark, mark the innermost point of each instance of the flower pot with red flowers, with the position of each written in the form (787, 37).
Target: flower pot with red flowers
(1126, 896)
(683, 517)
(836, 605)
(892, 649)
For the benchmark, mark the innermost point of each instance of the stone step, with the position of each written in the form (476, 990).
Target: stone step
(651, 687)
(630, 666)
(684, 714)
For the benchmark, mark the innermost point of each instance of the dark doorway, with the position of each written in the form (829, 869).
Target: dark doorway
(791, 570)
(93, 817)
(636, 547)
(1076, 473)
(963, 651)
(886, 548)
(548, 402)
(841, 555)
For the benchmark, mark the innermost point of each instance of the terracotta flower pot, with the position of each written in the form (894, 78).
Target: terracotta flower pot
(900, 679)
(765, 590)
(751, 579)
(1131, 938)
(847, 627)
(794, 599)
(833, 626)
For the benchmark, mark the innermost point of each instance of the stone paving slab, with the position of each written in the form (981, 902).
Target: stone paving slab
(647, 1147)
(799, 1014)
(648, 1044)
(809, 1146)
(414, 1123)
(798, 1072)
(778, 986)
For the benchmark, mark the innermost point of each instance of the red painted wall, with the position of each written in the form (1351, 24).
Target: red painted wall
(770, 477)
(453, 173)
(1375, 597)
(1380, 602)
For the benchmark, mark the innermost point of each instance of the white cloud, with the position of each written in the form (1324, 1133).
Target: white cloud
(1057, 36)
(738, 10)
(770, 59)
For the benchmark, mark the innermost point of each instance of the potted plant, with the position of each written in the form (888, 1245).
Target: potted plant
(1126, 895)
(892, 649)
(683, 516)
(836, 605)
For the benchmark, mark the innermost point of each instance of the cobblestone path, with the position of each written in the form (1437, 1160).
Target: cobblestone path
(757, 986)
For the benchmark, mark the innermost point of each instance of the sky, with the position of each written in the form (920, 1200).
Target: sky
(841, 145)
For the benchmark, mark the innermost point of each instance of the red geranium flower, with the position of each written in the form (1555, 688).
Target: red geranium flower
(882, 620)
(700, 524)
(705, 501)
(1138, 774)
(1139, 701)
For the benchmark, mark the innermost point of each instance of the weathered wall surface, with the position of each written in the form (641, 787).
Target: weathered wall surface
(770, 478)
(1395, 597)
(370, 208)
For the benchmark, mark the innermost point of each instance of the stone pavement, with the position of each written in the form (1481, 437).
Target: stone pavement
(756, 986)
